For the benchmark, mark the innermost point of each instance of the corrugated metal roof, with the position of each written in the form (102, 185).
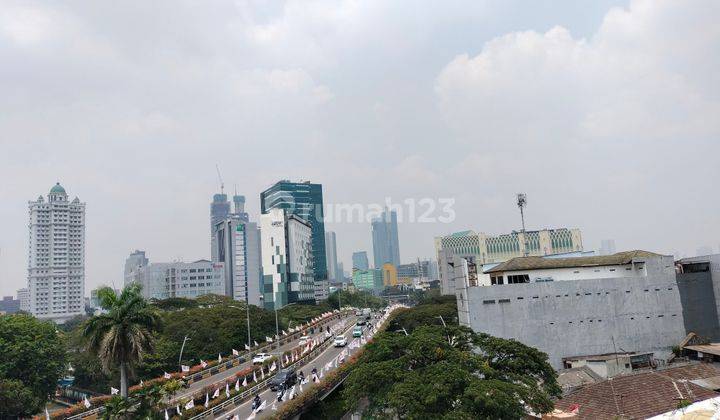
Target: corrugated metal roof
(706, 348)
(540, 263)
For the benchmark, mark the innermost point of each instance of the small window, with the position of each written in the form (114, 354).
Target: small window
(520, 298)
(535, 297)
(627, 291)
(504, 301)
(488, 302)
(612, 269)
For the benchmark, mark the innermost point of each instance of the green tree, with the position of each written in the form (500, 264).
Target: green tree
(123, 335)
(32, 359)
(451, 372)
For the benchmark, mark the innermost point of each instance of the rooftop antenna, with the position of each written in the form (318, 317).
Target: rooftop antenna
(222, 184)
(521, 203)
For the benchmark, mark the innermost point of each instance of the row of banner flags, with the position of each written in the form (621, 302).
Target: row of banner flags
(356, 343)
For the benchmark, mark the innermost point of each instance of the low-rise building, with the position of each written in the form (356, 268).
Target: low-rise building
(9, 305)
(179, 279)
(487, 249)
(569, 306)
(368, 280)
(611, 364)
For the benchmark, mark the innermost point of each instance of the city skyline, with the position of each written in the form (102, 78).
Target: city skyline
(138, 134)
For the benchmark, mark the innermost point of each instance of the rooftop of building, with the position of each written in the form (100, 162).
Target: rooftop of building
(604, 356)
(641, 395)
(57, 189)
(711, 348)
(541, 263)
(570, 379)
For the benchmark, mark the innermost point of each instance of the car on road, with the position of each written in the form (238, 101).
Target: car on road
(261, 358)
(361, 321)
(303, 340)
(340, 341)
(357, 331)
(285, 378)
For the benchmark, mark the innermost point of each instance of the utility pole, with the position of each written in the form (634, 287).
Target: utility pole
(181, 351)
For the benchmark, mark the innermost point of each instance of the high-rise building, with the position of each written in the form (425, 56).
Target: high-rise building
(220, 210)
(340, 276)
(56, 263)
(305, 200)
(23, 296)
(287, 260)
(485, 249)
(236, 245)
(178, 279)
(386, 248)
(133, 262)
(331, 255)
(360, 260)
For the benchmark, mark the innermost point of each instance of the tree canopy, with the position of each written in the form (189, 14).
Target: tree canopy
(449, 372)
(32, 359)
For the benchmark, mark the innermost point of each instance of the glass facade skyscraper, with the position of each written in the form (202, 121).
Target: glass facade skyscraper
(305, 200)
(386, 248)
(360, 260)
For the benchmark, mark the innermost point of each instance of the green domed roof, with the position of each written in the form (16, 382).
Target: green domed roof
(57, 189)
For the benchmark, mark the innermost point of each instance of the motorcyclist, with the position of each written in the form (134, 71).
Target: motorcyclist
(281, 391)
(256, 402)
(301, 376)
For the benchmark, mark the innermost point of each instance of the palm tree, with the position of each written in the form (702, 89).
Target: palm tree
(124, 334)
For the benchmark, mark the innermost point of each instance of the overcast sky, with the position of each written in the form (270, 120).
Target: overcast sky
(606, 113)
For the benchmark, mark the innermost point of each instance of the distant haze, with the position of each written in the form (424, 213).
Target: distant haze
(606, 114)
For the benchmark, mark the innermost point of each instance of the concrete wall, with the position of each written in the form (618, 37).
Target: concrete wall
(581, 317)
(699, 304)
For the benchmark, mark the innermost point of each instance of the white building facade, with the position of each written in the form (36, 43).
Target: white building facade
(486, 249)
(287, 261)
(179, 279)
(56, 257)
(23, 296)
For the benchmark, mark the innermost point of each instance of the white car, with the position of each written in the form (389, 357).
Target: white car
(261, 358)
(304, 340)
(340, 341)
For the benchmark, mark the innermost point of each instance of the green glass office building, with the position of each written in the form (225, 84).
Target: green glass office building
(305, 200)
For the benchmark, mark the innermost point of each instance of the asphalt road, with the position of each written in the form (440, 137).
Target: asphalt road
(198, 386)
(327, 357)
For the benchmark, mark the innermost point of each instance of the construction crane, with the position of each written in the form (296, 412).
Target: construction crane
(222, 184)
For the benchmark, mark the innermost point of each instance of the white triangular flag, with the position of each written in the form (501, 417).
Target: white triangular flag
(254, 377)
(141, 383)
(283, 332)
(244, 384)
(273, 367)
(166, 375)
(114, 391)
(216, 393)
(86, 402)
(262, 373)
(185, 368)
(237, 385)
(47, 414)
(255, 342)
(268, 339)
(177, 409)
(219, 358)
(190, 404)
(203, 363)
(286, 360)
(227, 390)
(247, 347)
(207, 400)
(167, 417)
(235, 352)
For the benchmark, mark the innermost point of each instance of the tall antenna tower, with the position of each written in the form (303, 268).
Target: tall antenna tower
(521, 203)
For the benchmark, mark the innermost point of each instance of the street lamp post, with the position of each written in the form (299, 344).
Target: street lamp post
(181, 351)
(277, 324)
